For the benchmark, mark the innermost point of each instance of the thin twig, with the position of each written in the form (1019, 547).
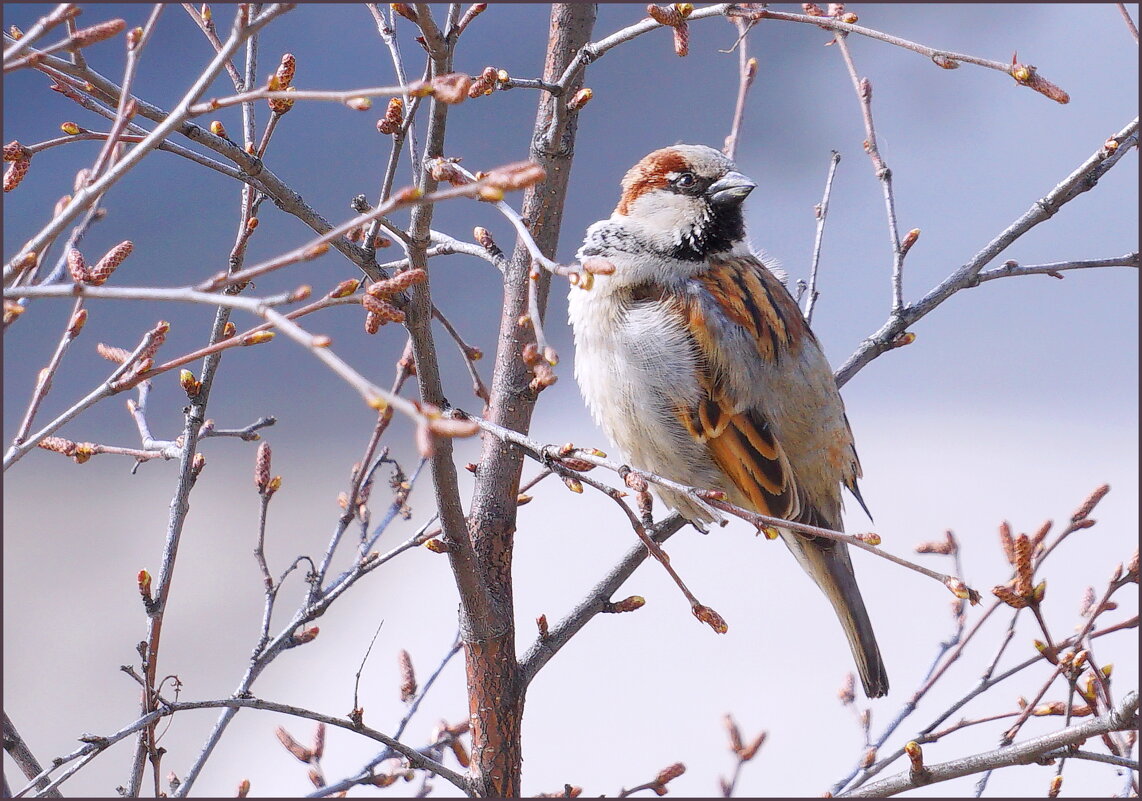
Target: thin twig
(138, 135)
(747, 71)
(396, 508)
(986, 681)
(457, 644)
(822, 212)
(941, 58)
(1009, 735)
(270, 588)
(411, 105)
(965, 723)
(863, 89)
(248, 433)
(312, 248)
(1012, 268)
(318, 346)
(134, 50)
(701, 611)
(1130, 26)
(109, 387)
(470, 354)
(45, 376)
(310, 609)
(761, 521)
(594, 50)
(1093, 756)
(861, 773)
(206, 25)
(366, 773)
(344, 96)
(361, 667)
(252, 171)
(74, 41)
(928, 734)
(354, 493)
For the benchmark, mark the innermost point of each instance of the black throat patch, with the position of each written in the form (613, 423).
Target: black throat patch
(724, 228)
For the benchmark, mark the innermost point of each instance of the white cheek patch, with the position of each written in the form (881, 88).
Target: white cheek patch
(666, 210)
(668, 217)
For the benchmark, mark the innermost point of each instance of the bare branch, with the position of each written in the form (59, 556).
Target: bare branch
(313, 607)
(591, 52)
(98, 745)
(110, 386)
(1012, 268)
(124, 112)
(206, 23)
(1024, 753)
(1084, 178)
(44, 379)
(366, 773)
(354, 98)
(1091, 756)
(318, 346)
(17, 749)
(76, 39)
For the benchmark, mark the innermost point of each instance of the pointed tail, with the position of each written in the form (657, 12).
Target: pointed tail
(827, 561)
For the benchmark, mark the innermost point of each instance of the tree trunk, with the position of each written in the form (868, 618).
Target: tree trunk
(495, 692)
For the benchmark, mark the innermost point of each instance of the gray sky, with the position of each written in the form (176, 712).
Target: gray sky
(1017, 398)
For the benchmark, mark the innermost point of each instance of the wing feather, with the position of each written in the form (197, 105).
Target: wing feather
(738, 435)
(762, 474)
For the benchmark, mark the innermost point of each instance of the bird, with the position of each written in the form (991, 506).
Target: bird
(698, 364)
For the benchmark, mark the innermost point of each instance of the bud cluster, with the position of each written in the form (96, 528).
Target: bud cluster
(97, 275)
(281, 81)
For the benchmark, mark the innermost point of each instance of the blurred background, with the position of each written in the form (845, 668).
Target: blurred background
(1017, 399)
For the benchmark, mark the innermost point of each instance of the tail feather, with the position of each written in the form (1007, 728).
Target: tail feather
(828, 563)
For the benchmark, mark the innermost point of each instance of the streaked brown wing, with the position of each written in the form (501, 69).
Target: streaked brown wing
(754, 299)
(747, 453)
(740, 439)
(744, 448)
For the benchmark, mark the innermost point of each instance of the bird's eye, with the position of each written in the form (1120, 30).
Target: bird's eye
(685, 180)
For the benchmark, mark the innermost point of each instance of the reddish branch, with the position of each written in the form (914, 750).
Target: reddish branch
(493, 673)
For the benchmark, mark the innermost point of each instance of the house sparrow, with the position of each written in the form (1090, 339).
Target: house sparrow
(697, 363)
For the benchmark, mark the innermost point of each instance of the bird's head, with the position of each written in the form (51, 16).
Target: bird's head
(685, 201)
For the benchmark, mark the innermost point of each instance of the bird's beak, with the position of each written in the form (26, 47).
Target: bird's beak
(730, 190)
